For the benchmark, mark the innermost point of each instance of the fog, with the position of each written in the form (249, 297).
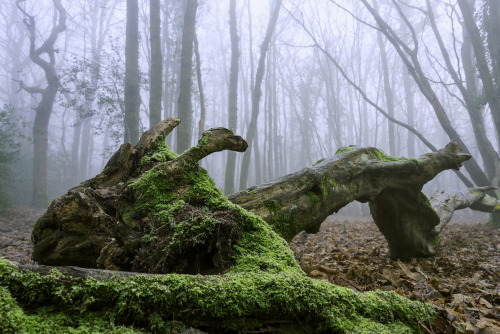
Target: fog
(402, 76)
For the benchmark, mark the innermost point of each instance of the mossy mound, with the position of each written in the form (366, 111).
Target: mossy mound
(150, 210)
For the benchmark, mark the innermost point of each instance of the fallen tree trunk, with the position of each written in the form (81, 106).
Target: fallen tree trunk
(248, 302)
(392, 186)
(302, 200)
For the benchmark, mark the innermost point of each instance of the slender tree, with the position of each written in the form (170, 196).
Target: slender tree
(132, 96)
(388, 90)
(44, 108)
(203, 111)
(232, 96)
(257, 93)
(156, 70)
(185, 112)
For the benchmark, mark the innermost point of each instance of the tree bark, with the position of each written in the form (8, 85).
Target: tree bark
(257, 93)
(410, 57)
(232, 96)
(203, 111)
(132, 96)
(389, 97)
(301, 201)
(156, 71)
(185, 112)
(44, 108)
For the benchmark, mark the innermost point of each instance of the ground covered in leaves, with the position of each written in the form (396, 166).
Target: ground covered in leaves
(463, 280)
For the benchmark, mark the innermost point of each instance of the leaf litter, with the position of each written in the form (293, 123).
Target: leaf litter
(462, 280)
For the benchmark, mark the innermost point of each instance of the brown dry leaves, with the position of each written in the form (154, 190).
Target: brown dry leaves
(15, 233)
(463, 280)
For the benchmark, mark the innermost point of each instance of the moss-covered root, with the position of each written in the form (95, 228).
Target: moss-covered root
(234, 301)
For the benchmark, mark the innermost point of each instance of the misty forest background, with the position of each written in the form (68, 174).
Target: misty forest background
(297, 79)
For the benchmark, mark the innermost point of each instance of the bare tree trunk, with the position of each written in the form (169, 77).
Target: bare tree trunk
(232, 97)
(203, 112)
(75, 149)
(410, 223)
(156, 70)
(185, 109)
(167, 60)
(410, 111)
(85, 149)
(44, 108)
(389, 97)
(257, 93)
(132, 77)
(410, 58)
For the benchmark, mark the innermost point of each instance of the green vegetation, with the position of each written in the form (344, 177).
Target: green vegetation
(252, 190)
(384, 157)
(10, 133)
(345, 149)
(272, 206)
(162, 153)
(319, 161)
(326, 184)
(237, 299)
(313, 198)
(265, 281)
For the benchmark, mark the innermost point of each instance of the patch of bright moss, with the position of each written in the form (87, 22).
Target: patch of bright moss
(162, 152)
(421, 198)
(326, 183)
(319, 161)
(345, 149)
(384, 157)
(272, 206)
(252, 190)
(150, 302)
(313, 198)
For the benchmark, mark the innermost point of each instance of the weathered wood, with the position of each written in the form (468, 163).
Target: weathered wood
(302, 201)
(143, 193)
(129, 217)
(79, 272)
(446, 202)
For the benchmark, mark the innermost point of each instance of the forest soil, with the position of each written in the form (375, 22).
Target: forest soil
(462, 280)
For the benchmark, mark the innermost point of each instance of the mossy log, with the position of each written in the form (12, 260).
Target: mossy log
(244, 302)
(392, 186)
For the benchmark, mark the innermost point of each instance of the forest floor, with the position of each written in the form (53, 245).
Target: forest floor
(462, 280)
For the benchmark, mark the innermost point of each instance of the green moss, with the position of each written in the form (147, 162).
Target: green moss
(313, 198)
(382, 156)
(327, 183)
(252, 190)
(193, 232)
(421, 198)
(285, 226)
(162, 153)
(436, 241)
(319, 161)
(272, 206)
(151, 302)
(345, 149)
(10, 313)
